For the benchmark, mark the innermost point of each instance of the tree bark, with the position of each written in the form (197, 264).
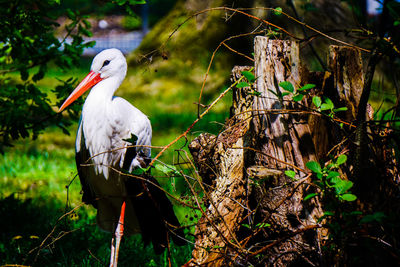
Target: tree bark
(285, 143)
(216, 230)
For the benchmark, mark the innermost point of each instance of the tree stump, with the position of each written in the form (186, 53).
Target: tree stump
(253, 208)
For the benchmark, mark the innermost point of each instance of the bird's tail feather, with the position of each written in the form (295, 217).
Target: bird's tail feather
(155, 213)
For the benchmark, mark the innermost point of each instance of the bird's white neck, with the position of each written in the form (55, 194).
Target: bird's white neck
(101, 95)
(97, 121)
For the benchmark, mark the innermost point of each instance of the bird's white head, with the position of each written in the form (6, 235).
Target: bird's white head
(108, 64)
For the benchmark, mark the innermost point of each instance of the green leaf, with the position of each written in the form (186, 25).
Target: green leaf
(329, 101)
(84, 31)
(325, 106)
(263, 225)
(132, 139)
(377, 216)
(90, 44)
(242, 85)
(314, 166)
(329, 213)
(340, 109)
(249, 76)
(319, 183)
(298, 97)
(272, 34)
(317, 101)
(328, 105)
(167, 169)
(356, 213)
(71, 15)
(254, 92)
(335, 180)
(290, 173)
(162, 168)
(306, 87)
(341, 159)
(288, 86)
(342, 186)
(137, 2)
(140, 171)
(348, 197)
(396, 23)
(332, 174)
(278, 11)
(87, 24)
(310, 196)
(285, 93)
(246, 225)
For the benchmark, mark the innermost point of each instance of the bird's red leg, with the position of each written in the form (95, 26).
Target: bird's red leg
(119, 232)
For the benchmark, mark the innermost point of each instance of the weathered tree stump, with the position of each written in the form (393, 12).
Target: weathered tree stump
(215, 232)
(253, 208)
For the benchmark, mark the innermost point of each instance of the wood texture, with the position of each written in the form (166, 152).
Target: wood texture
(216, 230)
(347, 68)
(287, 142)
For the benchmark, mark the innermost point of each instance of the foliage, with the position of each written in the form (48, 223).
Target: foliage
(28, 45)
(249, 83)
(329, 181)
(131, 23)
(297, 95)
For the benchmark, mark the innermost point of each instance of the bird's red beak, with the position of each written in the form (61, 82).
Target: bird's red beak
(88, 82)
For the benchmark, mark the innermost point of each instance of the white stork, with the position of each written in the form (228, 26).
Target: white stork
(103, 156)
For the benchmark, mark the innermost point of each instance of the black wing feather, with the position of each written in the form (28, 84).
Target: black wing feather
(153, 209)
(81, 157)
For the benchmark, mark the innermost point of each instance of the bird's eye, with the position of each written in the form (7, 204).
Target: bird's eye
(106, 62)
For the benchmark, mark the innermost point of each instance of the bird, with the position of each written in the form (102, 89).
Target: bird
(105, 156)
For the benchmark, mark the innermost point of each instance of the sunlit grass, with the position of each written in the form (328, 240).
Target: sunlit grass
(35, 173)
